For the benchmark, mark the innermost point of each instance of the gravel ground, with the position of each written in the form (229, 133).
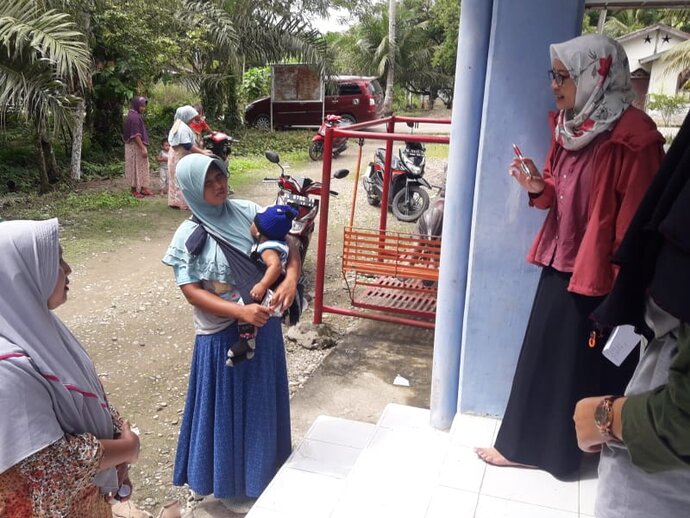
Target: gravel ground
(137, 326)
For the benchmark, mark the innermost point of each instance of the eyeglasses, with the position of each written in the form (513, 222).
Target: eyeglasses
(559, 78)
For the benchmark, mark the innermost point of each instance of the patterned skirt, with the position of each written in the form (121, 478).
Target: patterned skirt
(136, 167)
(235, 430)
(175, 198)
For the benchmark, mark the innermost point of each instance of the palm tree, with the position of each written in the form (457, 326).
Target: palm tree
(45, 55)
(367, 50)
(238, 33)
(678, 59)
(391, 59)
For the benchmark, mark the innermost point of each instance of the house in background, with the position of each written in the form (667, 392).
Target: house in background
(645, 49)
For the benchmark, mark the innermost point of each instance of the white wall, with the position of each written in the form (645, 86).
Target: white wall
(661, 82)
(637, 49)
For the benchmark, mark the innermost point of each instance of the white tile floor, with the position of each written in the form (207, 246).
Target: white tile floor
(403, 468)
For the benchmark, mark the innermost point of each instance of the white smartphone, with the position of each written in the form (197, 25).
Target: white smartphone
(523, 166)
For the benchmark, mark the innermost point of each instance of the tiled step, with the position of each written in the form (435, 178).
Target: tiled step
(313, 479)
(403, 468)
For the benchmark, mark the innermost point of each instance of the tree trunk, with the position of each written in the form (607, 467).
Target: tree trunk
(77, 139)
(52, 169)
(232, 112)
(392, 51)
(44, 186)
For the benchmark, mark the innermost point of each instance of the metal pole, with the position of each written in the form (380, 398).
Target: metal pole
(323, 225)
(390, 128)
(356, 186)
(602, 21)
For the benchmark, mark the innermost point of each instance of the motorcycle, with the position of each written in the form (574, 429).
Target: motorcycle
(299, 192)
(219, 143)
(429, 226)
(317, 141)
(406, 197)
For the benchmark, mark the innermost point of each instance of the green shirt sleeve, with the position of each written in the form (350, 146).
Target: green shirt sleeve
(656, 424)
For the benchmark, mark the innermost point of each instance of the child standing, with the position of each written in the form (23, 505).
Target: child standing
(269, 229)
(163, 165)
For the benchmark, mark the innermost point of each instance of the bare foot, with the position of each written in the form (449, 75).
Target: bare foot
(495, 458)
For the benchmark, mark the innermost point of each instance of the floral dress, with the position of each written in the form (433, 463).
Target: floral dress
(57, 481)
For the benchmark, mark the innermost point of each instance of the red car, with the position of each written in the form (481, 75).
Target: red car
(354, 98)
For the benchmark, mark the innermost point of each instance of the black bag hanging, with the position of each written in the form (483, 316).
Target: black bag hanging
(247, 271)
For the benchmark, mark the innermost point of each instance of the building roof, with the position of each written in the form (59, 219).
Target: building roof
(653, 28)
(630, 4)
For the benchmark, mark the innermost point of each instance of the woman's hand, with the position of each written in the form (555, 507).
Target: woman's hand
(130, 441)
(256, 314)
(144, 153)
(535, 184)
(123, 449)
(589, 439)
(284, 294)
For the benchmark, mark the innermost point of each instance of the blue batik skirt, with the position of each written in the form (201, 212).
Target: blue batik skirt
(235, 430)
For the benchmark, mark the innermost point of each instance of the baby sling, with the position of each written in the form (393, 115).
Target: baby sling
(247, 271)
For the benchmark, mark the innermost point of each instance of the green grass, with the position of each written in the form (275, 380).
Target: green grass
(95, 220)
(100, 216)
(437, 150)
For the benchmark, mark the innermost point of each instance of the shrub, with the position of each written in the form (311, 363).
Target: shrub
(668, 106)
(255, 83)
(164, 99)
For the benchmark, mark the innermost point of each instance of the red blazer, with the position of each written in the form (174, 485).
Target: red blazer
(624, 166)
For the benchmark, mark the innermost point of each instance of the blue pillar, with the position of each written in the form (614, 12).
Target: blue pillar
(500, 284)
(473, 47)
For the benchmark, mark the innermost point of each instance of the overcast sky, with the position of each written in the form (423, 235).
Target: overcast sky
(332, 23)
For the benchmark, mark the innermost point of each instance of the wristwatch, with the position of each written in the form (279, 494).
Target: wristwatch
(603, 418)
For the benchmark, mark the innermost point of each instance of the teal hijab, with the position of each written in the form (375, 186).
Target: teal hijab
(231, 220)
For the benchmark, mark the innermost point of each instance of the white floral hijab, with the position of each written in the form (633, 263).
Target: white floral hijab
(599, 67)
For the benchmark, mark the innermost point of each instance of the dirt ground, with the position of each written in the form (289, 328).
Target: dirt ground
(137, 326)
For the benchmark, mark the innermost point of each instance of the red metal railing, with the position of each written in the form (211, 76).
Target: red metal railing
(355, 131)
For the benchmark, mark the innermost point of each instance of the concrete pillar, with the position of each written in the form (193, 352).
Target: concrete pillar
(500, 283)
(473, 46)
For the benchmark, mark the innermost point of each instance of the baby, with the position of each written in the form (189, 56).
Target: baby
(269, 229)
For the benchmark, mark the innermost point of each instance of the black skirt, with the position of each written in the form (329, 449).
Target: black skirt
(556, 368)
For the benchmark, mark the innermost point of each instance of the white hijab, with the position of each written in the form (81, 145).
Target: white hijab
(600, 69)
(181, 133)
(48, 383)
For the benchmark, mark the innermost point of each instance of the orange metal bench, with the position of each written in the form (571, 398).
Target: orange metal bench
(391, 271)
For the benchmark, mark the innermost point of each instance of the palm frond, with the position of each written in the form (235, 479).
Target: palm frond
(50, 35)
(678, 58)
(33, 92)
(215, 20)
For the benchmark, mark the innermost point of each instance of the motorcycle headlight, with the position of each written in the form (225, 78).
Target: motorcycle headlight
(415, 169)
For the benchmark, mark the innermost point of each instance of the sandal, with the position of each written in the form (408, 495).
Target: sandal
(137, 195)
(145, 192)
